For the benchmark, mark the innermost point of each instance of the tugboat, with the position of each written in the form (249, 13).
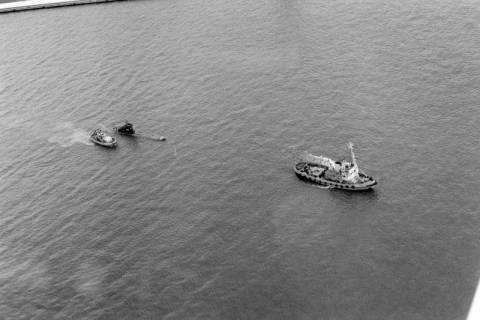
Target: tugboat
(126, 128)
(101, 138)
(334, 174)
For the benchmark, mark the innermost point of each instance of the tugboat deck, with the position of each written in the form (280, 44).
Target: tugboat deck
(329, 183)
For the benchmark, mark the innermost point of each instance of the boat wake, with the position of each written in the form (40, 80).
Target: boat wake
(66, 135)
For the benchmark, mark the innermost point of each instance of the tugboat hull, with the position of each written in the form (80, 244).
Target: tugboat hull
(320, 180)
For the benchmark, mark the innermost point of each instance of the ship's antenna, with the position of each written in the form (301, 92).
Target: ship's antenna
(350, 146)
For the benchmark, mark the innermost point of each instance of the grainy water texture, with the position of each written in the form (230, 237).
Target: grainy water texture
(213, 223)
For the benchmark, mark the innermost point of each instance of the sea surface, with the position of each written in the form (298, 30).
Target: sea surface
(213, 223)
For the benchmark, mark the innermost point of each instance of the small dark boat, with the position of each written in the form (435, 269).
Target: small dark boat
(334, 174)
(101, 138)
(126, 128)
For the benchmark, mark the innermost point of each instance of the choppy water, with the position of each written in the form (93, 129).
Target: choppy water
(212, 223)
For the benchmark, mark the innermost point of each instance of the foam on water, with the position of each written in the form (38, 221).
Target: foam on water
(66, 134)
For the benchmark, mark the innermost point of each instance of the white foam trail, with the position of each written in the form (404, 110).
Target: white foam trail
(66, 135)
(474, 313)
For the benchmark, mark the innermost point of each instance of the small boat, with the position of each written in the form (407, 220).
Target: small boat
(101, 138)
(126, 128)
(334, 174)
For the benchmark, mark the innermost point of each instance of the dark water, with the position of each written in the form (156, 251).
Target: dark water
(212, 223)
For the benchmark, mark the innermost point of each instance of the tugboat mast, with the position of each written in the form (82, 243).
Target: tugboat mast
(352, 155)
